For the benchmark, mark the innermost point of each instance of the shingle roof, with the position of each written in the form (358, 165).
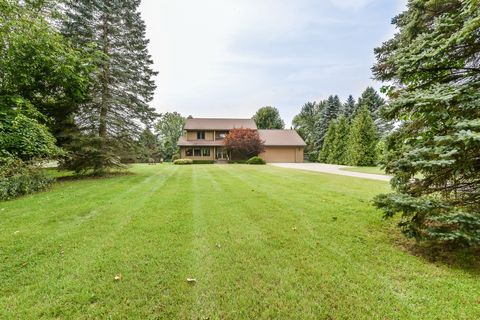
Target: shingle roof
(218, 124)
(281, 138)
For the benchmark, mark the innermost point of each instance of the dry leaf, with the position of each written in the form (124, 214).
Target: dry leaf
(191, 280)
(118, 277)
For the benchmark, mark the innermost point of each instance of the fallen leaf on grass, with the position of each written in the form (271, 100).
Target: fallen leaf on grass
(118, 277)
(191, 280)
(294, 228)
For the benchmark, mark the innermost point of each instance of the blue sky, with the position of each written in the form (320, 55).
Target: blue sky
(227, 58)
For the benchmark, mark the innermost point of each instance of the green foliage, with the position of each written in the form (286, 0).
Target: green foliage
(118, 105)
(339, 155)
(349, 108)
(304, 124)
(268, 118)
(255, 160)
(92, 154)
(183, 161)
(24, 138)
(362, 149)
(148, 147)
(176, 156)
(326, 154)
(169, 128)
(331, 109)
(434, 155)
(40, 67)
(17, 178)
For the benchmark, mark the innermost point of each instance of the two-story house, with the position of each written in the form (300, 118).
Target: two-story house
(203, 140)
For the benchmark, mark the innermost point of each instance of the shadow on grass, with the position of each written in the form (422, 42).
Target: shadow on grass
(91, 176)
(466, 259)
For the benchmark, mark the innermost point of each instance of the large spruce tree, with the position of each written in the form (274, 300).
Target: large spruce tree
(433, 67)
(349, 107)
(118, 104)
(375, 104)
(331, 110)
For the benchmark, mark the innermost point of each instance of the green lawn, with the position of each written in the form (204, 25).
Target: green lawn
(262, 243)
(373, 170)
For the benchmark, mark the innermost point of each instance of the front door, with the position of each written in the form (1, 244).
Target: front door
(221, 154)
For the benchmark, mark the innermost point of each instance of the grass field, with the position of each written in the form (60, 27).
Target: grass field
(261, 242)
(373, 170)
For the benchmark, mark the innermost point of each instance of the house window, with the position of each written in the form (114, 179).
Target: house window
(220, 135)
(200, 135)
(206, 152)
(197, 152)
(189, 152)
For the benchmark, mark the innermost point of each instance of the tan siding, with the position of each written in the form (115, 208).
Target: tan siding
(192, 135)
(283, 154)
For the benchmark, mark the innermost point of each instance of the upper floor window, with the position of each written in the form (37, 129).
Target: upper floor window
(220, 135)
(200, 135)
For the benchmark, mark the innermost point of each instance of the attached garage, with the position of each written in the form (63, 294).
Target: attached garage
(282, 146)
(283, 154)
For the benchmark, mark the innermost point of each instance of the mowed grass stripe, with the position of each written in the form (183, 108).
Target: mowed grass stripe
(282, 254)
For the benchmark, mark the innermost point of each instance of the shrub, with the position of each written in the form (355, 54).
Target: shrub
(237, 161)
(183, 161)
(175, 157)
(17, 179)
(256, 160)
(203, 161)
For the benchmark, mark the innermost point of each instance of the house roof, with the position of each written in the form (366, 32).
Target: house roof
(281, 138)
(218, 124)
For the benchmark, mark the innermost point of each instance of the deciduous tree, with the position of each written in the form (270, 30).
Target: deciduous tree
(244, 143)
(268, 118)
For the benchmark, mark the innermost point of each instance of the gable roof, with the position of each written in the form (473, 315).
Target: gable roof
(281, 138)
(218, 124)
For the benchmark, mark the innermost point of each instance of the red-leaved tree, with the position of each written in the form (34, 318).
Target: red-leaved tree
(243, 143)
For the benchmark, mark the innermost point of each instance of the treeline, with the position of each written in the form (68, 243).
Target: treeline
(346, 132)
(75, 85)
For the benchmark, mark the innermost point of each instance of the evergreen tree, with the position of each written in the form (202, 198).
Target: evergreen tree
(362, 150)
(331, 110)
(149, 147)
(326, 154)
(375, 104)
(123, 86)
(349, 107)
(340, 144)
(433, 69)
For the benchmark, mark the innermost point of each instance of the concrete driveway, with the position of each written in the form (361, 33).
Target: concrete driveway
(331, 168)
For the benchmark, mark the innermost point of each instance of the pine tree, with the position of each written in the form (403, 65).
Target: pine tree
(340, 144)
(328, 144)
(349, 107)
(375, 104)
(123, 81)
(362, 150)
(434, 154)
(330, 112)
